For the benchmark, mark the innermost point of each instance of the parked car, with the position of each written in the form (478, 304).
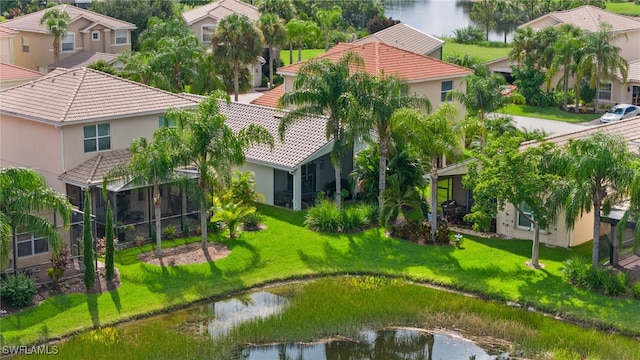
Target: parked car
(620, 112)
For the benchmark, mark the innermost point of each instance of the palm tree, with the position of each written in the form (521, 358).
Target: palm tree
(430, 137)
(323, 87)
(275, 35)
(604, 56)
(57, 23)
(152, 163)
(24, 193)
(379, 96)
(565, 49)
(328, 19)
(597, 175)
(297, 30)
(284, 9)
(633, 212)
(237, 42)
(206, 143)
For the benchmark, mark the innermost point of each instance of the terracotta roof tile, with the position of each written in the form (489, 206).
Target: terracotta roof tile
(394, 61)
(85, 58)
(6, 32)
(270, 98)
(31, 22)
(220, 9)
(72, 95)
(589, 18)
(92, 171)
(13, 72)
(405, 37)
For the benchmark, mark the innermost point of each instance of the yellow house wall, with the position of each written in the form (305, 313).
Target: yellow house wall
(40, 53)
(6, 49)
(264, 180)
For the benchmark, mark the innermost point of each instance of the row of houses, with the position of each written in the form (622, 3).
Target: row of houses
(74, 124)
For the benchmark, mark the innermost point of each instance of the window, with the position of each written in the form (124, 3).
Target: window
(67, 42)
(25, 44)
(445, 87)
(122, 37)
(29, 245)
(605, 92)
(523, 222)
(207, 33)
(95, 35)
(162, 122)
(97, 138)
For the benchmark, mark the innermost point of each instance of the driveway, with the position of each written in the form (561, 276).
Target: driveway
(551, 127)
(248, 97)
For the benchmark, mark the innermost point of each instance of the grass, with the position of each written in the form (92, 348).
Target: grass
(329, 307)
(483, 53)
(624, 8)
(549, 113)
(306, 55)
(285, 250)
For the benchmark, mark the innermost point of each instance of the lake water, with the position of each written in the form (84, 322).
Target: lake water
(435, 17)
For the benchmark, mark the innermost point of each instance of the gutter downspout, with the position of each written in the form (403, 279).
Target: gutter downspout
(64, 169)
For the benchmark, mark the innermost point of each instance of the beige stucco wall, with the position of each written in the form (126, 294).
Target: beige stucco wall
(629, 45)
(40, 53)
(264, 180)
(31, 144)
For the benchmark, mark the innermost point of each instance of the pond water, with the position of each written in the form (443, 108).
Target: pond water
(436, 17)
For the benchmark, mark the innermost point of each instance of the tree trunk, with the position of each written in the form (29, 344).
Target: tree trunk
(290, 52)
(433, 185)
(236, 86)
(382, 171)
(565, 87)
(204, 216)
(300, 50)
(56, 52)
(326, 41)
(157, 201)
(597, 87)
(535, 251)
(576, 90)
(270, 67)
(337, 166)
(595, 254)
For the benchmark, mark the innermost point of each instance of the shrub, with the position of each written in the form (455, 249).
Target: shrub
(468, 35)
(352, 219)
(442, 233)
(576, 271)
(58, 265)
(18, 290)
(169, 231)
(252, 221)
(607, 282)
(414, 231)
(635, 290)
(324, 217)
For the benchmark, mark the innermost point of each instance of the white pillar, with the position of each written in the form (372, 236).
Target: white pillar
(297, 189)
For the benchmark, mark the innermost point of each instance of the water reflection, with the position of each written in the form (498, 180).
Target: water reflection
(388, 344)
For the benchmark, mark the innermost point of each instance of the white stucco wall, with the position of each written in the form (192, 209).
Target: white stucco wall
(264, 179)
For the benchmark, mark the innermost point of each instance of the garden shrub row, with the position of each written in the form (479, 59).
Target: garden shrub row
(604, 281)
(326, 217)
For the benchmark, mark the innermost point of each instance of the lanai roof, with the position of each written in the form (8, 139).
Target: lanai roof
(589, 17)
(85, 58)
(405, 37)
(220, 9)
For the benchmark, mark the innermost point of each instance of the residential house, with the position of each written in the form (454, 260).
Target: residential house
(427, 76)
(89, 34)
(588, 18)
(407, 38)
(204, 20)
(11, 75)
(72, 117)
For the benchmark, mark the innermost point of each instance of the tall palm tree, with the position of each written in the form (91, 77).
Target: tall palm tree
(297, 30)
(57, 23)
(284, 9)
(23, 194)
(597, 175)
(275, 35)
(565, 49)
(237, 42)
(379, 96)
(604, 56)
(152, 163)
(205, 142)
(323, 87)
(430, 137)
(328, 18)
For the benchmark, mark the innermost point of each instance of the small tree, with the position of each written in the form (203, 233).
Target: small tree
(57, 23)
(230, 212)
(87, 243)
(108, 260)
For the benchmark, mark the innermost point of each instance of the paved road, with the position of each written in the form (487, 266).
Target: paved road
(551, 127)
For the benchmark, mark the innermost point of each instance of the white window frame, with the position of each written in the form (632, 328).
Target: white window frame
(605, 89)
(32, 240)
(97, 137)
(93, 37)
(116, 37)
(444, 92)
(73, 42)
(213, 31)
(25, 44)
(523, 206)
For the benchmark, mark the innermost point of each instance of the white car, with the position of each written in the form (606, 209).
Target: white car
(620, 112)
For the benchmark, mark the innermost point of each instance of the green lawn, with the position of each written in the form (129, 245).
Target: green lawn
(549, 113)
(306, 55)
(482, 52)
(286, 250)
(624, 8)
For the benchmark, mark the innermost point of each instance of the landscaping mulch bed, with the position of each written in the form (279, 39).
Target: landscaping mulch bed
(186, 254)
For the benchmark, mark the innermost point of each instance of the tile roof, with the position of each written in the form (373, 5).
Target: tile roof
(303, 138)
(629, 129)
(93, 170)
(31, 22)
(13, 72)
(589, 18)
(394, 61)
(220, 9)
(270, 98)
(6, 32)
(405, 37)
(84, 59)
(81, 95)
